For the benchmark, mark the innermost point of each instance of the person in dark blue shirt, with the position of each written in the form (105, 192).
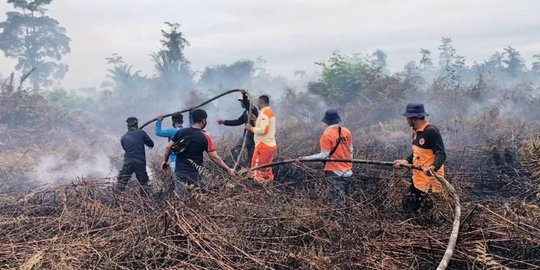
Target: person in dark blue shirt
(177, 122)
(133, 143)
(242, 120)
(199, 142)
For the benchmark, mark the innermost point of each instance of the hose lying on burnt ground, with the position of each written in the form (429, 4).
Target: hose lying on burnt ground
(293, 227)
(457, 205)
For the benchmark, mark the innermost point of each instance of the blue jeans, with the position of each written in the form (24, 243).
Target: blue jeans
(340, 188)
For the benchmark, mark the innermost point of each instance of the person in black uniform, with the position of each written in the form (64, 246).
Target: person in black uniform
(242, 120)
(133, 143)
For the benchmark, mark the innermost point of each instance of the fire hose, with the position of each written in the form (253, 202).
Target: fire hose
(192, 108)
(457, 208)
(443, 264)
(244, 141)
(204, 103)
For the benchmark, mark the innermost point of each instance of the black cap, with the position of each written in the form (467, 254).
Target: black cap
(131, 121)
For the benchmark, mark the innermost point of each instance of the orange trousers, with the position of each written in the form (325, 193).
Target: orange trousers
(262, 155)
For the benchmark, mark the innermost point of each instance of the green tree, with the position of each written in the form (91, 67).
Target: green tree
(426, 62)
(411, 78)
(480, 88)
(61, 97)
(36, 40)
(450, 64)
(513, 62)
(126, 82)
(170, 63)
(495, 62)
(379, 58)
(219, 77)
(342, 79)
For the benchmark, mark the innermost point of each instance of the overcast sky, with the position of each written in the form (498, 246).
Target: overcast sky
(289, 34)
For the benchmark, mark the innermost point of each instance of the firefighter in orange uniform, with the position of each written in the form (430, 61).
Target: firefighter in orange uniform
(428, 153)
(336, 142)
(265, 141)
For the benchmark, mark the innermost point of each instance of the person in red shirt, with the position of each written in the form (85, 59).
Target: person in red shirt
(336, 142)
(198, 142)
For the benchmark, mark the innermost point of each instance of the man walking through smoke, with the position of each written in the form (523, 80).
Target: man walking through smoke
(336, 142)
(428, 153)
(133, 143)
(242, 120)
(189, 145)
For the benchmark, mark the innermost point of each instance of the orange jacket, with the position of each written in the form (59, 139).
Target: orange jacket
(344, 150)
(427, 149)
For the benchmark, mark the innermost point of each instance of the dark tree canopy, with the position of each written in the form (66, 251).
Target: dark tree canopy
(35, 40)
(170, 63)
(237, 74)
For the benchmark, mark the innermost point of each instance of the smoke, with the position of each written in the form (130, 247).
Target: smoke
(372, 113)
(66, 167)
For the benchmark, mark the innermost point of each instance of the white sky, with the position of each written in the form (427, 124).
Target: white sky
(289, 34)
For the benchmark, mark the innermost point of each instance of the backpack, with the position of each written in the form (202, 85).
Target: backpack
(182, 144)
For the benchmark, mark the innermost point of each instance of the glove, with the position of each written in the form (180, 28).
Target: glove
(400, 163)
